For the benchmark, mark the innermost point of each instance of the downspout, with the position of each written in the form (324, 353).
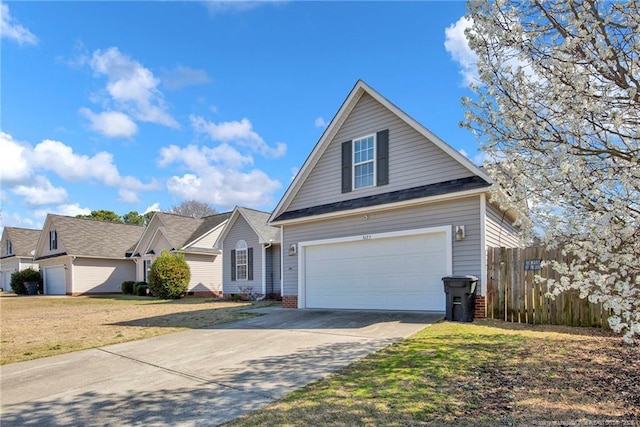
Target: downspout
(281, 261)
(264, 268)
(71, 259)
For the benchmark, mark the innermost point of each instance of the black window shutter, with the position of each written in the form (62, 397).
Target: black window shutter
(382, 157)
(346, 166)
(233, 265)
(250, 264)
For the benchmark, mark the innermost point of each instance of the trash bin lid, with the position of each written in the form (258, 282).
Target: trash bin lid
(458, 278)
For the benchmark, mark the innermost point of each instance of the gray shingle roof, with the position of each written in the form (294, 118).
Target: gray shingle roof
(446, 187)
(181, 230)
(92, 238)
(258, 220)
(23, 241)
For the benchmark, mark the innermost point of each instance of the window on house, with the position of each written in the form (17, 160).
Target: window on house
(364, 161)
(241, 260)
(53, 240)
(9, 248)
(147, 269)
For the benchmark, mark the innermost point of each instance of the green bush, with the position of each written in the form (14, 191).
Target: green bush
(19, 277)
(169, 276)
(140, 289)
(127, 287)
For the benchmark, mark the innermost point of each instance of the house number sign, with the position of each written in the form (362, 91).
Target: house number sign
(366, 237)
(532, 264)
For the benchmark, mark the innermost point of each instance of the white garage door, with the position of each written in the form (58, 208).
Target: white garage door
(54, 281)
(390, 273)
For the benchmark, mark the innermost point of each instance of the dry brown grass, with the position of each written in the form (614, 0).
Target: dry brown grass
(34, 327)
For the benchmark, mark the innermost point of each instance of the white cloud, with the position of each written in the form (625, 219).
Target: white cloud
(132, 87)
(128, 195)
(18, 220)
(225, 188)
(68, 209)
(320, 123)
(153, 208)
(24, 169)
(195, 157)
(294, 172)
(112, 124)
(13, 163)
(457, 45)
(219, 7)
(11, 29)
(182, 76)
(238, 132)
(41, 192)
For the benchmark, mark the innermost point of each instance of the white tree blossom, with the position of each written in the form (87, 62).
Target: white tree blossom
(557, 108)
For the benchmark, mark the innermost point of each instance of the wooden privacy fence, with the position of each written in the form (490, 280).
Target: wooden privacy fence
(514, 295)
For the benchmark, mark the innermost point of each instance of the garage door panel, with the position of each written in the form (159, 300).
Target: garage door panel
(55, 281)
(399, 273)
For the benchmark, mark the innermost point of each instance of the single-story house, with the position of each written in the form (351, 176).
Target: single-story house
(381, 210)
(18, 246)
(195, 238)
(80, 256)
(252, 254)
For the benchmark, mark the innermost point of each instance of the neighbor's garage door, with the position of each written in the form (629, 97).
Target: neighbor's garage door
(54, 281)
(395, 273)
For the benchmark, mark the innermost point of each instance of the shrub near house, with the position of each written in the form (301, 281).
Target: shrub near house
(20, 277)
(169, 276)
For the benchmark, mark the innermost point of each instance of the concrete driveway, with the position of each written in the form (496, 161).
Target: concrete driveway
(198, 377)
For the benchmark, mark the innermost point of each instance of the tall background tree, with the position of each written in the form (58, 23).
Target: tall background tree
(132, 217)
(193, 208)
(102, 215)
(557, 111)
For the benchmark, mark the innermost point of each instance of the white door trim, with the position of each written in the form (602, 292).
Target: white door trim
(447, 230)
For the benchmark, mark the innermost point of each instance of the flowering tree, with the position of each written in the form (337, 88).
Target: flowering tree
(557, 111)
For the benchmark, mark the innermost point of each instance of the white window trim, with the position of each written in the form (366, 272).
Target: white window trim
(354, 164)
(146, 270)
(53, 237)
(246, 261)
(9, 247)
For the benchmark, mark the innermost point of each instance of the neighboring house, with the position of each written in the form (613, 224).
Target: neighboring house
(380, 211)
(252, 254)
(195, 237)
(18, 246)
(79, 256)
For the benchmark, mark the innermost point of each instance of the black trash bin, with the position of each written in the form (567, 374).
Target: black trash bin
(461, 297)
(32, 288)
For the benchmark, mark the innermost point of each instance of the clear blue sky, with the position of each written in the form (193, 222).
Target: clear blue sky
(133, 105)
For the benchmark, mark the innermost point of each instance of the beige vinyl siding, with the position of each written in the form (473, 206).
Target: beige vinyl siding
(209, 240)
(499, 230)
(45, 247)
(161, 243)
(206, 273)
(241, 230)
(92, 276)
(467, 253)
(413, 160)
(272, 269)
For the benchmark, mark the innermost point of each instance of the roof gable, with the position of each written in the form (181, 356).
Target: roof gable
(257, 220)
(90, 238)
(179, 230)
(360, 91)
(23, 241)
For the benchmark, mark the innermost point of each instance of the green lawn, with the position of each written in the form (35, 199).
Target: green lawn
(487, 373)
